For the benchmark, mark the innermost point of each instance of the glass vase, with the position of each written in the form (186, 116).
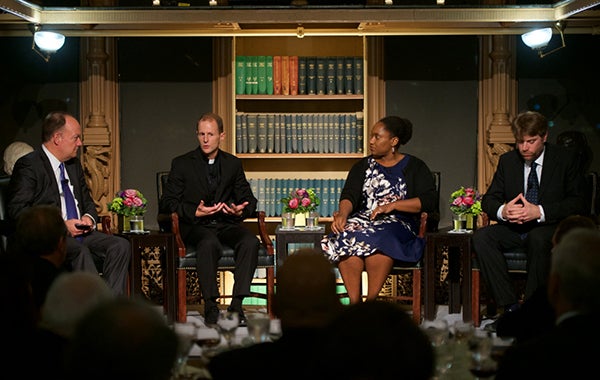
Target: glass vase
(123, 223)
(459, 222)
(136, 223)
(300, 219)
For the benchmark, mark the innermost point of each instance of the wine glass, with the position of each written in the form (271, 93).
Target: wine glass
(186, 335)
(228, 323)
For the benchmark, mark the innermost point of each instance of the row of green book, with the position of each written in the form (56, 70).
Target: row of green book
(299, 132)
(298, 75)
(270, 191)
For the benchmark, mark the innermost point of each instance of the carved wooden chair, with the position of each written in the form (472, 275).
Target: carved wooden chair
(186, 257)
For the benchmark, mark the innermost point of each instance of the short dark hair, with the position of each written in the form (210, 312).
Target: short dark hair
(39, 230)
(52, 123)
(211, 116)
(529, 123)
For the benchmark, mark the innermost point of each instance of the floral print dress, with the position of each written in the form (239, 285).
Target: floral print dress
(391, 234)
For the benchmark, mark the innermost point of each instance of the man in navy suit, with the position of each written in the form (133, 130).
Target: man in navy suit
(207, 187)
(37, 180)
(522, 222)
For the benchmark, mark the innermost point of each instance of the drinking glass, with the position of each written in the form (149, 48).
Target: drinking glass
(482, 364)
(439, 335)
(258, 327)
(228, 323)
(287, 221)
(186, 335)
(312, 221)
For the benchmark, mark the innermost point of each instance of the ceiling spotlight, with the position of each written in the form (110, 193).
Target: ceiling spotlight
(46, 42)
(538, 39)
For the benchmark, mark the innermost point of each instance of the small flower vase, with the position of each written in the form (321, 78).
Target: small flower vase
(136, 223)
(460, 222)
(123, 223)
(300, 219)
(471, 222)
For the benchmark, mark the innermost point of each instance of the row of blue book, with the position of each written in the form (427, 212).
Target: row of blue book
(299, 132)
(269, 192)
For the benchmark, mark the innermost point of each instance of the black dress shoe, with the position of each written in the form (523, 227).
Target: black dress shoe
(211, 315)
(241, 315)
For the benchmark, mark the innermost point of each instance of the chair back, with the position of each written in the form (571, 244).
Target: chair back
(5, 224)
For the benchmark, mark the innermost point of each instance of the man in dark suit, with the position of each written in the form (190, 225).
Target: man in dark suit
(208, 189)
(570, 350)
(526, 207)
(53, 175)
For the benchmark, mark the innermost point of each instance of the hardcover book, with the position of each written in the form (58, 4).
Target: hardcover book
(254, 60)
(285, 75)
(252, 123)
(311, 75)
(262, 74)
(269, 64)
(360, 126)
(349, 75)
(261, 133)
(331, 76)
(277, 75)
(270, 133)
(248, 73)
(293, 75)
(240, 75)
(358, 75)
(340, 76)
(301, 75)
(321, 62)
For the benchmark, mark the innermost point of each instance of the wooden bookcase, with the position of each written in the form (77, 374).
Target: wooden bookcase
(299, 165)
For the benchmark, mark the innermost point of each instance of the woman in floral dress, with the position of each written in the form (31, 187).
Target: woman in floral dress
(377, 220)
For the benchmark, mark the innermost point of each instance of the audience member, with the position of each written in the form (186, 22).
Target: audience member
(534, 187)
(69, 298)
(376, 340)
(305, 302)
(570, 350)
(376, 222)
(208, 189)
(536, 315)
(13, 152)
(53, 175)
(122, 339)
(41, 237)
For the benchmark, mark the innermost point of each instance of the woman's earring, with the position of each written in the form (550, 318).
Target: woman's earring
(393, 150)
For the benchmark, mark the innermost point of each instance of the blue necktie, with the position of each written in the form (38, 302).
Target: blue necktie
(533, 186)
(69, 199)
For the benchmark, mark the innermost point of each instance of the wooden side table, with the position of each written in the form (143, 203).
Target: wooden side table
(459, 257)
(153, 260)
(298, 235)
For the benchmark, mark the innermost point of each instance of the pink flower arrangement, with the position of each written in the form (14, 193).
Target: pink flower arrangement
(465, 201)
(300, 201)
(128, 202)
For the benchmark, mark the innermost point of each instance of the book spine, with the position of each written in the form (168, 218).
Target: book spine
(252, 132)
(353, 133)
(261, 194)
(301, 141)
(269, 65)
(360, 127)
(301, 75)
(270, 133)
(238, 132)
(331, 78)
(285, 75)
(332, 132)
(311, 75)
(349, 75)
(240, 75)
(340, 78)
(319, 137)
(277, 75)
(310, 120)
(321, 62)
(262, 74)
(254, 74)
(277, 139)
(347, 134)
(358, 76)
(261, 121)
(244, 133)
(288, 133)
(295, 136)
(248, 73)
(293, 75)
(305, 132)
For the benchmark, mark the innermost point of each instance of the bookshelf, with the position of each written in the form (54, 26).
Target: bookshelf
(325, 130)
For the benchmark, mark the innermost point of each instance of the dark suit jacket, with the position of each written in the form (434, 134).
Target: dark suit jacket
(33, 183)
(569, 351)
(187, 185)
(561, 185)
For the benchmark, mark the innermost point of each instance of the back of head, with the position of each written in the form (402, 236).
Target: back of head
(570, 223)
(70, 297)
(377, 340)
(306, 290)
(41, 231)
(123, 339)
(13, 152)
(576, 266)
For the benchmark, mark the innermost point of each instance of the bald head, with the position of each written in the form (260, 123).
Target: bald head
(306, 290)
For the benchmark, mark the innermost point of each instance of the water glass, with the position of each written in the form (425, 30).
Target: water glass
(312, 221)
(287, 221)
(258, 327)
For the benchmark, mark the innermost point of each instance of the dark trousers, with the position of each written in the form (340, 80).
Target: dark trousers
(209, 241)
(489, 243)
(113, 252)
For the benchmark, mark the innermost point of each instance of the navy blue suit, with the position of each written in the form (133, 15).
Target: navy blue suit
(33, 182)
(560, 194)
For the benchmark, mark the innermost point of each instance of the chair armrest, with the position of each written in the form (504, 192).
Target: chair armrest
(264, 235)
(106, 221)
(423, 224)
(485, 219)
